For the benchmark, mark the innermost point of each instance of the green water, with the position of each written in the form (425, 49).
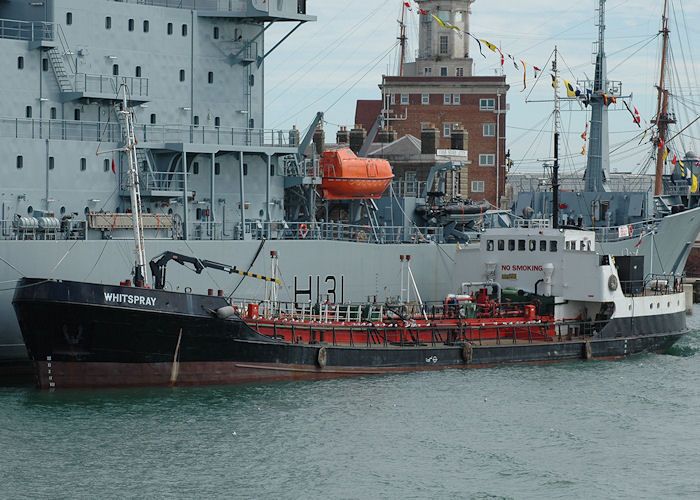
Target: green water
(600, 429)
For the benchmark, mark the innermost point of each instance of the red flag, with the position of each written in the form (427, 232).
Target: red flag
(661, 144)
(637, 118)
(408, 5)
(114, 170)
(423, 12)
(673, 162)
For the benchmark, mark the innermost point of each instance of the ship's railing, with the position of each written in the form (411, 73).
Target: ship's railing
(634, 230)
(199, 134)
(26, 30)
(104, 84)
(220, 5)
(335, 231)
(69, 229)
(72, 130)
(653, 285)
(67, 130)
(409, 188)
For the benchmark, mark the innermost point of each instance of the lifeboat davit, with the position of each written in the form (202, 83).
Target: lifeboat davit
(345, 176)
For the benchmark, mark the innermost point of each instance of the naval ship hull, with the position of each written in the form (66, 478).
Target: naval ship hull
(78, 337)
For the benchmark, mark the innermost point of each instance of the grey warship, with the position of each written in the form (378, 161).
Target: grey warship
(215, 182)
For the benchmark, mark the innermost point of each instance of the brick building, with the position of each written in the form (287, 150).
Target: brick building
(438, 90)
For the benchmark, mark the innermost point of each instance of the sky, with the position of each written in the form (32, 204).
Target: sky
(329, 64)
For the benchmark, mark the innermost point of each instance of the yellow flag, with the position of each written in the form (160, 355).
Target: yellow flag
(445, 25)
(569, 89)
(694, 186)
(665, 153)
(583, 150)
(488, 44)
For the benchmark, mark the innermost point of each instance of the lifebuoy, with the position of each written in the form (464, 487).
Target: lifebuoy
(303, 230)
(612, 283)
(321, 357)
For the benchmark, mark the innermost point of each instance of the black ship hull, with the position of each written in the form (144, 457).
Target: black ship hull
(91, 335)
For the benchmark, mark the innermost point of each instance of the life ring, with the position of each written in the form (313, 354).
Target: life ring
(303, 230)
(322, 357)
(612, 283)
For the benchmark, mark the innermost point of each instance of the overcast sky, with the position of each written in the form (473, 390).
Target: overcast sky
(328, 65)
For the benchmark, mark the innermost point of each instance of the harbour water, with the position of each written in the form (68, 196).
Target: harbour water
(598, 429)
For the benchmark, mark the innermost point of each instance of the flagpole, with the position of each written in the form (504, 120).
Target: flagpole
(662, 118)
(555, 168)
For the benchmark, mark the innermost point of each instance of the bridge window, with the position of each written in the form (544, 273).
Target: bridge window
(501, 245)
(521, 245)
(69, 18)
(217, 168)
(489, 245)
(196, 120)
(216, 32)
(20, 62)
(217, 121)
(83, 164)
(553, 246)
(182, 75)
(138, 71)
(28, 112)
(108, 23)
(272, 169)
(210, 77)
(105, 164)
(115, 69)
(131, 25)
(76, 114)
(511, 245)
(52, 113)
(532, 244)
(245, 169)
(146, 26)
(170, 29)
(51, 162)
(45, 64)
(184, 30)
(153, 118)
(20, 161)
(543, 245)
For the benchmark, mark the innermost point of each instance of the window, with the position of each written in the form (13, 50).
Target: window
(443, 44)
(424, 125)
(146, 26)
(210, 77)
(108, 23)
(501, 245)
(443, 71)
(489, 129)
(392, 100)
(446, 129)
(425, 99)
(76, 114)
(459, 72)
(20, 161)
(272, 169)
(489, 245)
(217, 121)
(51, 162)
(195, 168)
(105, 165)
(251, 123)
(217, 168)
(28, 112)
(216, 32)
(20, 62)
(52, 113)
(251, 80)
(138, 71)
(131, 25)
(446, 98)
(543, 245)
(404, 98)
(69, 18)
(532, 245)
(553, 246)
(487, 104)
(45, 64)
(196, 120)
(487, 160)
(184, 30)
(115, 69)
(83, 164)
(456, 99)
(170, 29)
(427, 71)
(478, 187)
(153, 118)
(511, 243)
(245, 169)
(521, 245)
(182, 75)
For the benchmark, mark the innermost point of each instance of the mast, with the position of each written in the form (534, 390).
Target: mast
(598, 162)
(662, 117)
(402, 39)
(555, 168)
(140, 274)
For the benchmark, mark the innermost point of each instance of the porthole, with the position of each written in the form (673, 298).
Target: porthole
(658, 305)
(30, 210)
(651, 306)
(261, 212)
(63, 210)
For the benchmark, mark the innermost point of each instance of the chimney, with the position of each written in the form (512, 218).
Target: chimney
(459, 139)
(319, 139)
(294, 136)
(430, 139)
(387, 135)
(357, 138)
(343, 135)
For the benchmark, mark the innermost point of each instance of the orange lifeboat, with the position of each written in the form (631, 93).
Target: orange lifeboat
(345, 176)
